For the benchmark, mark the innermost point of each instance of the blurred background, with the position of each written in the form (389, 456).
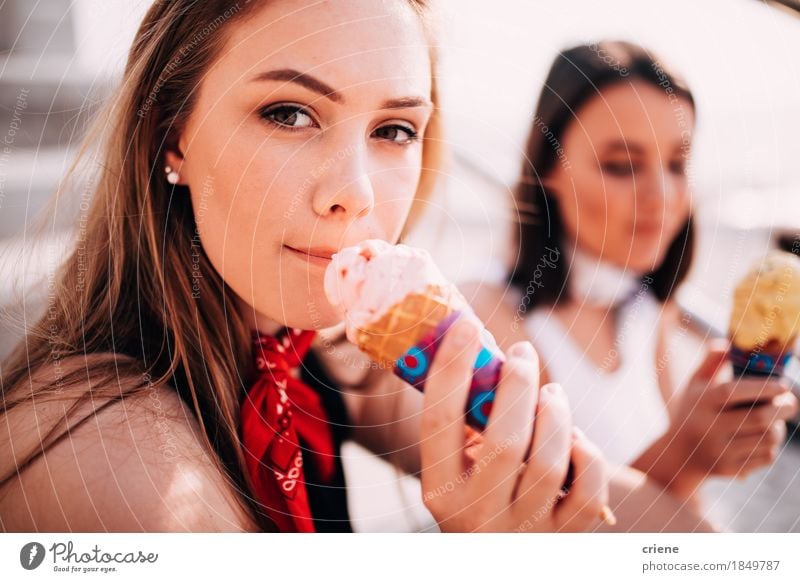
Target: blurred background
(60, 59)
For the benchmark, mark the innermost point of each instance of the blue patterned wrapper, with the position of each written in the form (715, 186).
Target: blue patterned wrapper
(413, 367)
(755, 363)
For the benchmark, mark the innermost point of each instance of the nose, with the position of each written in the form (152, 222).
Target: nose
(343, 188)
(659, 188)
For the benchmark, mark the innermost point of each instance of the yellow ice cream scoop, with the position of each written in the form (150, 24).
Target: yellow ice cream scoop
(765, 320)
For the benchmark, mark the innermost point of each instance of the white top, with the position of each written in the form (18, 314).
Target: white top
(621, 411)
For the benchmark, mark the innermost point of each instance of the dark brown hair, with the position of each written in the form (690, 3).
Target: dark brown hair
(575, 77)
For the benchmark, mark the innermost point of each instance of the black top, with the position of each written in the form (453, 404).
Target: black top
(328, 502)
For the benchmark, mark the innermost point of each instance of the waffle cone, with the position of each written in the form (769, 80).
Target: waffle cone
(405, 323)
(772, 347)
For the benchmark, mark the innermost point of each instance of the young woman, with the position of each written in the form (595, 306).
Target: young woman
(606, 238)
(161, 390)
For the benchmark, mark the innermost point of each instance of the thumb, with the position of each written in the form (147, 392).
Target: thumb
(715, 358)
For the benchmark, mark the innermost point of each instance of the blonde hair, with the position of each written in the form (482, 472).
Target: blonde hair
(123, 294)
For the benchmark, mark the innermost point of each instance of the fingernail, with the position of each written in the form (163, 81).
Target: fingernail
(521, 350)
(551, 389)
(578, 433)
(608, 516)
(464, 332)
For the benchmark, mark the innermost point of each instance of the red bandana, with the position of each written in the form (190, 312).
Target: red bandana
(284, 425)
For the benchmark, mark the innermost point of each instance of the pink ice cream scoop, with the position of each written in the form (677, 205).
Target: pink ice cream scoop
(397, 306)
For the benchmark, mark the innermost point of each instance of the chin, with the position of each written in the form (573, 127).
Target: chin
(645, 262)
(315, 314)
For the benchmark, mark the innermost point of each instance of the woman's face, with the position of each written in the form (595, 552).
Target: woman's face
(305, 138)
(621, 184)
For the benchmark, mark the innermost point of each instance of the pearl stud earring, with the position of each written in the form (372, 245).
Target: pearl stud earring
(172, 175)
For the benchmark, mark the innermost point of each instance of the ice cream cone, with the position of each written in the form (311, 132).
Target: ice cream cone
(406, 323)
(406, 338)
(765, 320)
(769, 360)
(398, 307)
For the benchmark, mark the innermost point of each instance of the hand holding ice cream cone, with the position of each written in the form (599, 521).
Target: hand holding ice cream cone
(399, 309)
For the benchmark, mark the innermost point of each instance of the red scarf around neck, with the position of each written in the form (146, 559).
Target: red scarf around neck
(284, 427)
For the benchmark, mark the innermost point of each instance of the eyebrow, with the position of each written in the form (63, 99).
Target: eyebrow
(313, 84)
(624, 146)
(406, 103)
(302, 79)
(632, 148)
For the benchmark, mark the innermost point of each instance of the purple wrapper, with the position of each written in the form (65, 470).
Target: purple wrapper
(758, 363)
(413, 367)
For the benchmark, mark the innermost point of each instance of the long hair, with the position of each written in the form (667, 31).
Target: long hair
(124, 294)
(576, 76)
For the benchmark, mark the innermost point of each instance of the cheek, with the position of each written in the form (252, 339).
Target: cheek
(226, 224)
(394, 196)
(245, 184)
(592, 209)
(680, 205)
(267, 190)
(241, 212)
(242, 207)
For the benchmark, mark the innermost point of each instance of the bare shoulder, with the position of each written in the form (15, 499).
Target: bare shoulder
(681, 345)
(671, 317)
(137, 464)
(503, 315)
(496, 307)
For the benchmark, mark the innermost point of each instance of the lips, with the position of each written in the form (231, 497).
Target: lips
(647, 228)
(314, 255)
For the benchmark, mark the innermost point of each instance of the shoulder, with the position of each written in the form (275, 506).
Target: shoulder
(502, 313)
(671, 320)
(499, 310)
(673, 337)
(137, 464)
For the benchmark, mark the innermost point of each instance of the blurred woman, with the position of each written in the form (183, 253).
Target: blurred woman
(607, 239)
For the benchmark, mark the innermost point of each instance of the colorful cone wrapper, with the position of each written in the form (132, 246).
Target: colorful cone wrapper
(755, 363)
(413, 367)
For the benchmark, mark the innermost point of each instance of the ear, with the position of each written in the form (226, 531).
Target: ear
(174, 158)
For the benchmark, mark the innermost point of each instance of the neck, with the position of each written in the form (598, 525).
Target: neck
(597, 284)
(256, 321)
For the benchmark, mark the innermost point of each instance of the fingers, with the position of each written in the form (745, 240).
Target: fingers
(588, 495)
(714, 360)
(549, 460)
(508, 433)
(473, 442)
(787, 404)
(757, 419)
(770, 439)
(746, 462)
(745, 454)
(445, 399)
(748, 390)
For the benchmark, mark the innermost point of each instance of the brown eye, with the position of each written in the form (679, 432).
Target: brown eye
(399, 134)
(678, 167)
(618, 168)
(288, 116)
